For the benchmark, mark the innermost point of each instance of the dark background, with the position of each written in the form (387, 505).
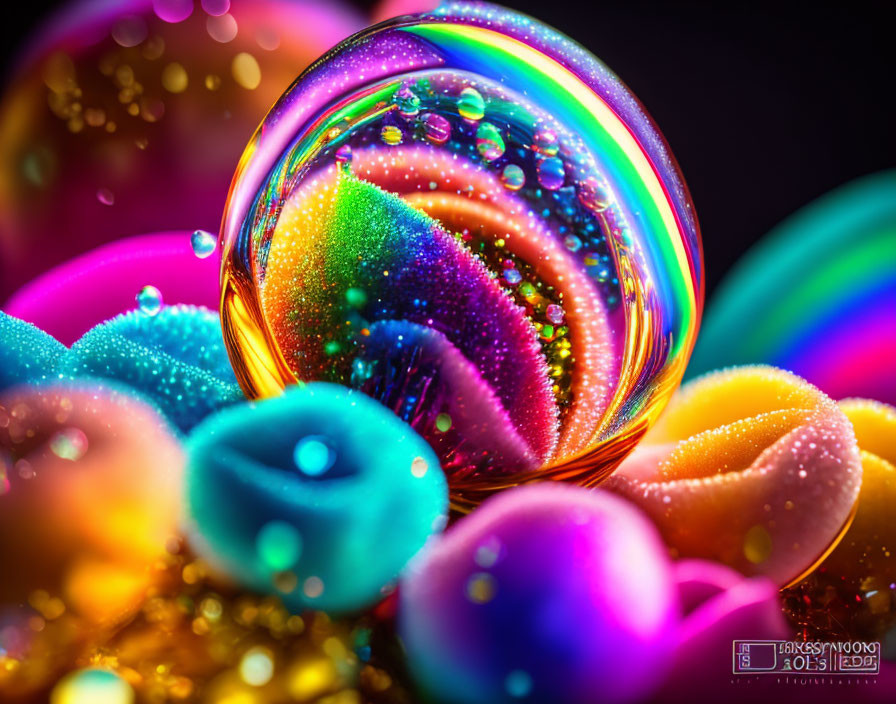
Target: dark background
(766, 105)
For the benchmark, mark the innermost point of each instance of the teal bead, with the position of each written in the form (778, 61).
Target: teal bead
(176, 358)
(27, 354)
(320, 496)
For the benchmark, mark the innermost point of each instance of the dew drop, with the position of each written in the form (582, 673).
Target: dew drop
(203, 243)
(149, 300)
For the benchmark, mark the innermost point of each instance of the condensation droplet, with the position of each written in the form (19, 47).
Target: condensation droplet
(149, 300)
(246, 70)
(69, 444)
(436, 128)
(203, 243)
(470, 104)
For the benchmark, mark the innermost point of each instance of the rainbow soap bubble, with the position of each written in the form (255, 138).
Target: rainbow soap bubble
(465, 215)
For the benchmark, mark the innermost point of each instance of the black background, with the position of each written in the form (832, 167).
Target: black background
(766, 105)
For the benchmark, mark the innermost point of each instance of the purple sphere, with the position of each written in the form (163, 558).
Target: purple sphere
(547, 593)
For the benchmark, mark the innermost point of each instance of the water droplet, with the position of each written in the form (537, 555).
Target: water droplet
(257, 667)
(149, 300)
(223, 28)
(174, 78)
(572, 243)
(356, 297)
(203, 243)
(470, 104)
(407, 102)
(518, 684)
(313, 456)
(487, 553)
(594, 195)
(489, 141)
(69, 444)
(344, 154)
(93, 685)
(216, 7)
(513, 276)
(757, 544)
(481, 588)
(419, 467)
(391, 135)
(545, 142)
(443, 422)
(513, 177)
(554, 313)
(436, 128)
(105, 196)
(279, 545)
(129, 30)
(551, 173)
(246, 71)
(173, 10)
(313, 587)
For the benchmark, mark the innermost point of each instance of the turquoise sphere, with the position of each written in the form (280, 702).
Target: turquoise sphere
(176, 359)
(320, 496)
(27, 354)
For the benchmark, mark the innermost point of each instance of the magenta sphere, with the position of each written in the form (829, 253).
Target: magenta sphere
(547, 593)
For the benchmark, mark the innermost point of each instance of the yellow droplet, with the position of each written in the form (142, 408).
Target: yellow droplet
(246, 70)
(757, 544)
(124, 76)
(311, 679)
(174, 78)
(212, 82)
(481, 588)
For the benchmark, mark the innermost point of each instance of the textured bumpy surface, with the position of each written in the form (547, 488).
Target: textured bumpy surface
(320, 496)
(27, 354)
(73, 297)
(547, 593)
(853, 592)
(751, 467)
(467, 216)
(176, 358)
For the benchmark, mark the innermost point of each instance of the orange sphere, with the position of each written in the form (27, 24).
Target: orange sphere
(90, 495)
(752, 467)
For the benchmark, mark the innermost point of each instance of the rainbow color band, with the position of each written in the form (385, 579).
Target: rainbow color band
(816, 296)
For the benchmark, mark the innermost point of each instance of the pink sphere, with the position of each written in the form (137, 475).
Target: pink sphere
(548, 592)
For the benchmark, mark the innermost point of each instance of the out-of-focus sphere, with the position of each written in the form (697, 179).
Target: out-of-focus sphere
(92, 686)
(128, 116)
(90, 500)
(547, 593)
(465, 215)
(802, 301)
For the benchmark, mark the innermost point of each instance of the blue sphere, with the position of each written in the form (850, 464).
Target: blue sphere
(320, 496)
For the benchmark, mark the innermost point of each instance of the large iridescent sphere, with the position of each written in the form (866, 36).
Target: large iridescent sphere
(465, 215)
(123, 117)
